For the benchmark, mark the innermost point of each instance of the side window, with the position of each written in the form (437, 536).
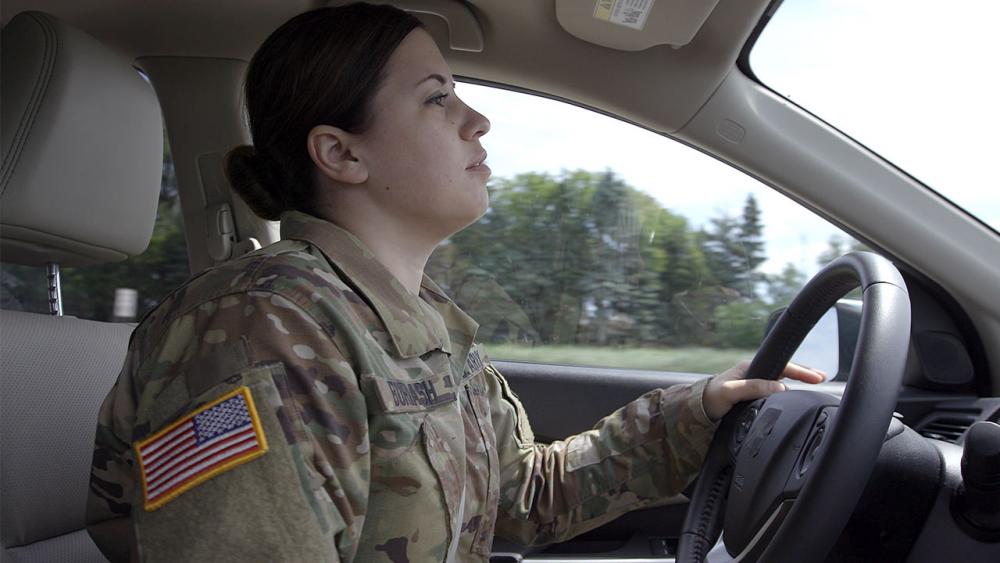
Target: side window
(120, 291)
(609, 245)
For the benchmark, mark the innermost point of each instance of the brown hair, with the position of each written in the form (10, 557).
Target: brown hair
(321, 67)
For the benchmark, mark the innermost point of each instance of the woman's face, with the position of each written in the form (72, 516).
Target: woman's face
(423, 146)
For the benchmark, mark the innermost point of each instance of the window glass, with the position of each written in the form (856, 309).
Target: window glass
(910, 79)
(608, 245)
(137, 284)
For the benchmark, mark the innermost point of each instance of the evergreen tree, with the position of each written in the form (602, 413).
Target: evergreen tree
(752, 242)
(783, 287)
(723, 251)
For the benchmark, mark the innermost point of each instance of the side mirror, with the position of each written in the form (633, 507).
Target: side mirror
(830, 344)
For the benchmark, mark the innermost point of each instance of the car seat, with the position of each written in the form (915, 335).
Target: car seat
(82, 149)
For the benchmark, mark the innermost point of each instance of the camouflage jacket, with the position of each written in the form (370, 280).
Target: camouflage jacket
(298, 404)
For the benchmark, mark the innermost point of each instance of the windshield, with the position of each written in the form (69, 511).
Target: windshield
(913, 80)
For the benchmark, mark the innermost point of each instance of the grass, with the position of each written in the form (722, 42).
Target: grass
(689, 359)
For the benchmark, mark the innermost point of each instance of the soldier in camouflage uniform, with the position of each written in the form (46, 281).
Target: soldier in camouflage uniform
(302, 403)
(390, 436)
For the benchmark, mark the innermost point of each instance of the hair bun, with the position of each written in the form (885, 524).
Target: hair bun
(256, 178)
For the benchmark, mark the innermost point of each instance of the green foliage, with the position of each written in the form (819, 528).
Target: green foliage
(685, 359)
(740, 324)
(783, 287)
(734, 247)
(572, 259)
(582, 258)
(23, 288)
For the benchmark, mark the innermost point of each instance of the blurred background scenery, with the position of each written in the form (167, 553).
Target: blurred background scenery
(576, 267)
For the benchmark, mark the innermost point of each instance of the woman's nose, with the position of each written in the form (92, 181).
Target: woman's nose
(475, 126)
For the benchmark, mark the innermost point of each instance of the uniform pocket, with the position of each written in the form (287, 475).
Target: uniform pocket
(397, 410)
(414, 464)
(449, 473)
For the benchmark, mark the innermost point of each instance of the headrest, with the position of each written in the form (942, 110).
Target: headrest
(82, 144)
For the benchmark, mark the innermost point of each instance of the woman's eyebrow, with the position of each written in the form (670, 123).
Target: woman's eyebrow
(437, 77)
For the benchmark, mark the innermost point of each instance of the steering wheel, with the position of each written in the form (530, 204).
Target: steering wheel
(783, 474)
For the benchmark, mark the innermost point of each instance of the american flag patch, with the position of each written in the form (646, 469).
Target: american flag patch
(202, 444)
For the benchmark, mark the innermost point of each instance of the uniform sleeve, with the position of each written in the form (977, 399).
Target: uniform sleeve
(110, 491)
(644, 452)
(301, 495)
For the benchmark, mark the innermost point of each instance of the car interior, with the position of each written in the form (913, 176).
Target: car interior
(88, 89)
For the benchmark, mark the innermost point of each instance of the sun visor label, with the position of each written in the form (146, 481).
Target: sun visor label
(629, 13)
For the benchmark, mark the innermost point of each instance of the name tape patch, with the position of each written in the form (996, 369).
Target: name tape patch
(200, 445)
(411, 396)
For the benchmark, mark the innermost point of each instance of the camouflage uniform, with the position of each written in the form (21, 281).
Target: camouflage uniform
(389, 435)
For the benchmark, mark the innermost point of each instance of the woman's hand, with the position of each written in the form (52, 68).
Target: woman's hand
(730, 387)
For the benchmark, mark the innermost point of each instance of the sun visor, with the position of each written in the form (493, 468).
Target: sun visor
(634, 25)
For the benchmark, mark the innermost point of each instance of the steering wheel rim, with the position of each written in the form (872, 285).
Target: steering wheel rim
(845, 455)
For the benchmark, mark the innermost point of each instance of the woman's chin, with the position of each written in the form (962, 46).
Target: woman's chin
(475, 212)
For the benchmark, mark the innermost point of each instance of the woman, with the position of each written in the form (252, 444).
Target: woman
(322, 399)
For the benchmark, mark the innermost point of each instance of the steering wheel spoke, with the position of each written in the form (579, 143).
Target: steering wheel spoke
(768, 460)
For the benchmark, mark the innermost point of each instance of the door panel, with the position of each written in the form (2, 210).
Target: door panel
(566, 400)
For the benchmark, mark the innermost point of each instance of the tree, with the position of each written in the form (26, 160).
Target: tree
(740, 324)
(582, 257)
(614, 240)
(724, 252)
(783, 287)
(751, 238)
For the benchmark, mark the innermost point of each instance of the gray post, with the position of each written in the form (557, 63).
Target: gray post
(55, 290)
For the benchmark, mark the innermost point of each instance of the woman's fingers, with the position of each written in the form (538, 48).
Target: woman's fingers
(803, 374)
(750, 389)
(731, 387)
(723, 391)
(792, 371)
(739, 371)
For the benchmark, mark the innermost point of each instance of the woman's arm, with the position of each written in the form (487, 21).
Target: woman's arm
(646, 451)
(299, 489)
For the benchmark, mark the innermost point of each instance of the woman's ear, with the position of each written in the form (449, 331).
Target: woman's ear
(330, 150)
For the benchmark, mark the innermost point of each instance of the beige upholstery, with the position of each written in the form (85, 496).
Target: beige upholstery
(82, 142)
(82, 157)
(54, 373)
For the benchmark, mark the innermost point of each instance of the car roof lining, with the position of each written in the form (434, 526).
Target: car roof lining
(660, 87)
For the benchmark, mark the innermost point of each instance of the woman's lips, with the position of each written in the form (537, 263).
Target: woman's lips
(481, 168)
(480, 160)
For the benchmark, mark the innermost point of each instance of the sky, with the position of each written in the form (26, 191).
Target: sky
(905, 77)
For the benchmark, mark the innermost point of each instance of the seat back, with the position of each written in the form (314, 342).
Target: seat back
(55, 373)
(82, 145)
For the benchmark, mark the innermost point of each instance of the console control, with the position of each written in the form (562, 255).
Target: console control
(977, 501)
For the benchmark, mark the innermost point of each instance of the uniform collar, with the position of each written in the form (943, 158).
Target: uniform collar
(416, 325)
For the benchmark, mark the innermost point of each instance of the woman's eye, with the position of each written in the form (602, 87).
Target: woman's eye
(439, 99)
